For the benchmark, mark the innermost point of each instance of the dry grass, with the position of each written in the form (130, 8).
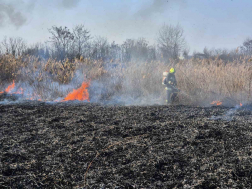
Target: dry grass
(9, 66)
(41, 76)
(200, 81)
(214, 79)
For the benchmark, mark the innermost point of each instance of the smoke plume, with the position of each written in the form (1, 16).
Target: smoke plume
(9, 14)
(157, 6)
(69, 4)
(16, 12)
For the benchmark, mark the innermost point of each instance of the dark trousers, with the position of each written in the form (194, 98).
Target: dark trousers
(171, 94)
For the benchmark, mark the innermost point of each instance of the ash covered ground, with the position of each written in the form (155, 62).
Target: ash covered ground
(84, 145)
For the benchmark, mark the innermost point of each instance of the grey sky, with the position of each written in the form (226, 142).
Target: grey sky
(211, 23)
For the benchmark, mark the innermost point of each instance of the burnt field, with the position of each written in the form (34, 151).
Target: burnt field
(84, 145)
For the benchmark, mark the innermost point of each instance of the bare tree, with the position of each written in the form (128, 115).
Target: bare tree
(39, 50)
(100, 48)
(15, 46)
(1, 50)
(20, 46)
(128, 48)
(142, 49)
(62, 40)
(115, 52)
(138, 49)
(247, 46)
(81, 39)
(171, 41)
(186, 53)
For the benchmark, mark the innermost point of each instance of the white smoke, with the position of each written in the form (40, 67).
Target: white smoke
(228, 116)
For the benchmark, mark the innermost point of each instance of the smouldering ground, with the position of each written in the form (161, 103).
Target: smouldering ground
(84, 145)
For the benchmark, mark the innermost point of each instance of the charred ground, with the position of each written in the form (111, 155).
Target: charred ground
(93, 146)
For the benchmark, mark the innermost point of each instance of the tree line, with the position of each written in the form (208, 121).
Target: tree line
(64, 43)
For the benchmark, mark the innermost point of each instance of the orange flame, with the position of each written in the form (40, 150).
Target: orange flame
(34, 96)
(9, 88)
(218, 103)
(19, 91)
(80, 94)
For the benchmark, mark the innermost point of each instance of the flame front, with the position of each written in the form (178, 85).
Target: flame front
(218, 103)
(19, 91)
(80, 94)
(9, 88)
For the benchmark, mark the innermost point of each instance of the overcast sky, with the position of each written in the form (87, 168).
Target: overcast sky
(210, 23)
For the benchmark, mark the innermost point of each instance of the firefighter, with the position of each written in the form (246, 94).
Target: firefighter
(171, 86)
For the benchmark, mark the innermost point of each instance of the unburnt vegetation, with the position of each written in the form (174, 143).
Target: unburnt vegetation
(200, 81)
(131, 71)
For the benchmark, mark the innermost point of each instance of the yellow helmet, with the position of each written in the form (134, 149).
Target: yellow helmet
(172, 70)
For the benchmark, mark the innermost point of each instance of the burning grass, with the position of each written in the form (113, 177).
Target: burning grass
(80, 94)
(200, 81)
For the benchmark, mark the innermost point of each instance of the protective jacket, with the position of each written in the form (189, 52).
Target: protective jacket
(170, 81)
(171, 87)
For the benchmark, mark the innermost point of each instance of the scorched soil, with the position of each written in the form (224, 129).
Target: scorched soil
(84, 145)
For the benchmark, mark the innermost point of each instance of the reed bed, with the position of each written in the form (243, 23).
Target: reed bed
(200, 80)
